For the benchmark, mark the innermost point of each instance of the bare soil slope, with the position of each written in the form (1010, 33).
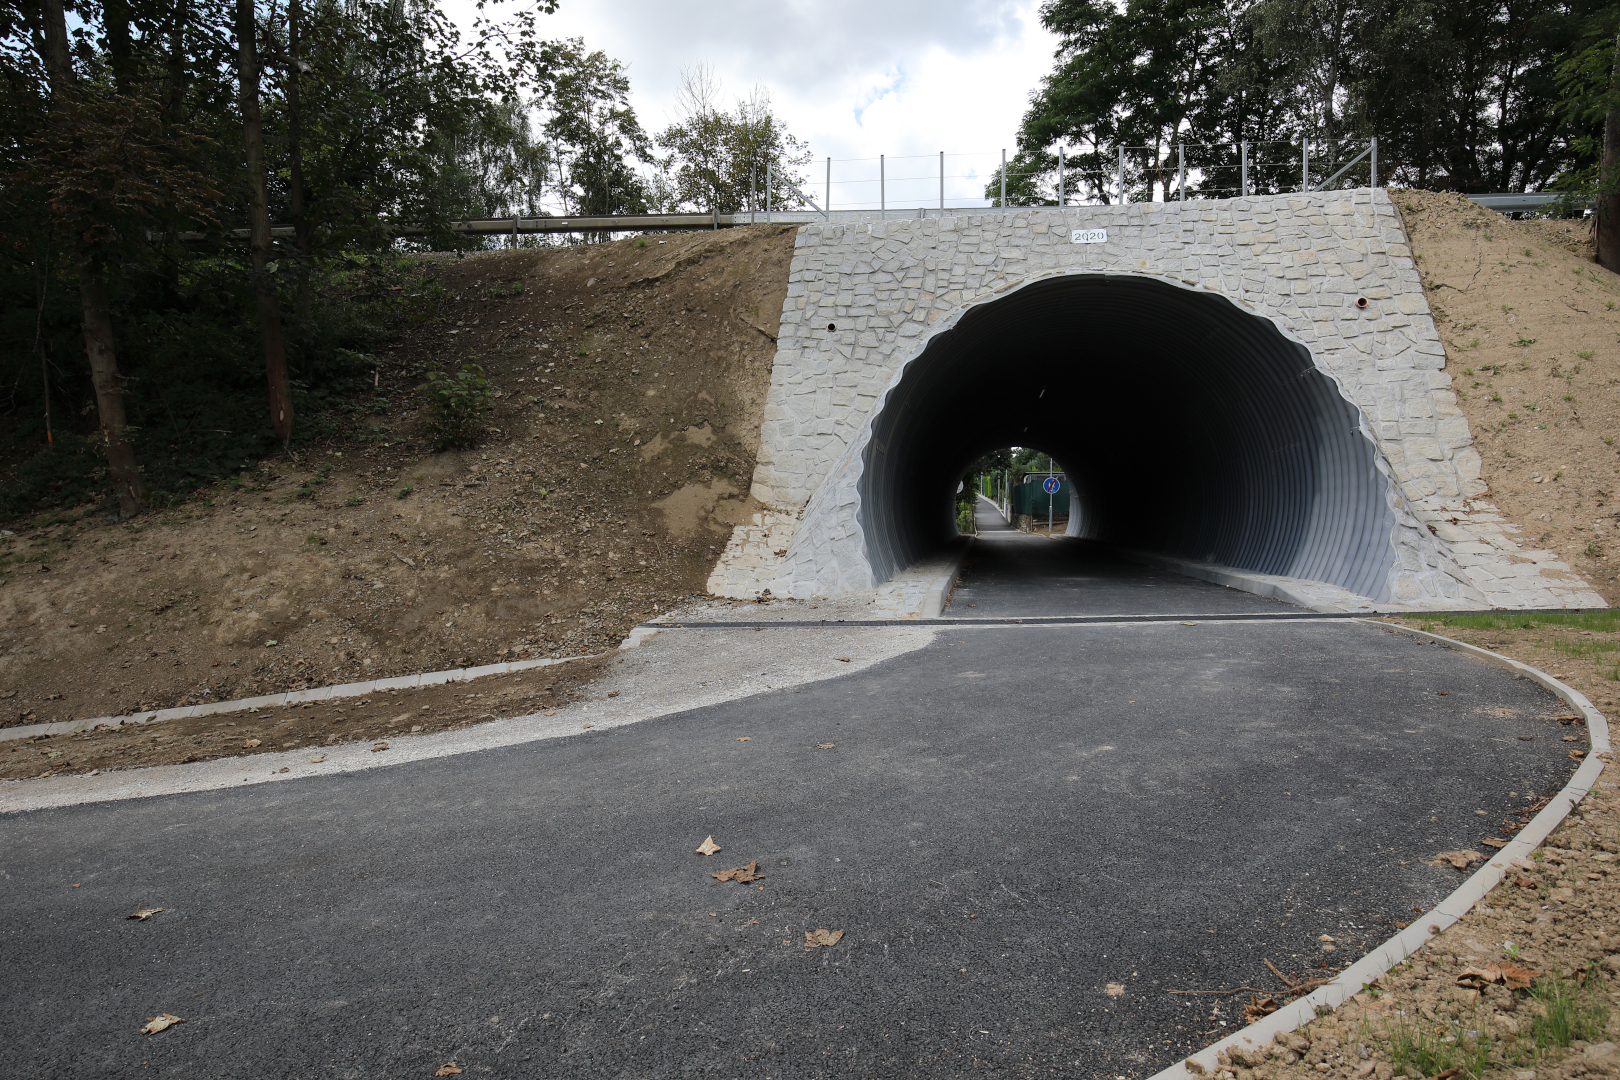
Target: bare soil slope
(1531, 326)
(631, 379)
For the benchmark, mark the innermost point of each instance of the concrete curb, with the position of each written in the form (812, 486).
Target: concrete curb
(320, 693)
(1307, 594)
(933, 601)
(1378, 961)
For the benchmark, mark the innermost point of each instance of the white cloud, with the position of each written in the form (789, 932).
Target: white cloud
(902, 78)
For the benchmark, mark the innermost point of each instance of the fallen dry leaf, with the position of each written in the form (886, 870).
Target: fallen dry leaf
(708, 847)
(1114, 989)
(449, 1068)
(317, 759)
(1477, 978)
(155, 1024)
(1493, 842)
(379, 746)
(1516, 978)
(745, 738)
(1460, 860)
(821, 939)
(1259, 1007)
(842, 659)
(252, 743)
(1577, 755)
(825, 746)
(144, 914)
(743, 874)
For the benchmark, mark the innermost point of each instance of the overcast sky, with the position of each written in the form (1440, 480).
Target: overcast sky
(854, 80)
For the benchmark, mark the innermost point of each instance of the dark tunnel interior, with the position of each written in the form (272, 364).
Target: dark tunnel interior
(1186, 427)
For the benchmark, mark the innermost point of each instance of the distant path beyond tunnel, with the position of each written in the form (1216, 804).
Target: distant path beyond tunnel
(1010, 574)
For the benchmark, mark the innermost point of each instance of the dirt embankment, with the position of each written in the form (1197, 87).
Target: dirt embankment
(630, 381)
(1531, 326)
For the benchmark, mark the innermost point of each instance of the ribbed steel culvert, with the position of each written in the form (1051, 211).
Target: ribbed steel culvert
(1187, 426)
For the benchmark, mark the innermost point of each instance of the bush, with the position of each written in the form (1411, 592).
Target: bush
(456, 404)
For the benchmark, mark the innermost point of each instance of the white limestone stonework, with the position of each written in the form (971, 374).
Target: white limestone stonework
(1299, 261)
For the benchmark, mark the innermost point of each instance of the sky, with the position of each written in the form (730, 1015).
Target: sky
(902, 78)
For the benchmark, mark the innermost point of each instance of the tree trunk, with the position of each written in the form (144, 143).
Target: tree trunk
(302, 231)
(98, 342)
(98, 334)
(275, 351)
(1607, 219)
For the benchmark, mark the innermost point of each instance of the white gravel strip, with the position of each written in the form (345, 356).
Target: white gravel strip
(666, 673)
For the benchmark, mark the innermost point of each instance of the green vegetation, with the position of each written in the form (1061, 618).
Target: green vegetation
(134, 159)
(1604, 620)
(1524, 112)
(1567, 1009)
(456, 405)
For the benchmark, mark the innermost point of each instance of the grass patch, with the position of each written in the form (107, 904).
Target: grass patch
(1602, 621)
(1565, 1010)
(1437, 1048)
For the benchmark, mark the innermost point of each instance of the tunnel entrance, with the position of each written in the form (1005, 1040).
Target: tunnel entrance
(1185, 426)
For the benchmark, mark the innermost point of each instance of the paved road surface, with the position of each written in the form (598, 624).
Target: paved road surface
(1010, 574)
(1008, 821)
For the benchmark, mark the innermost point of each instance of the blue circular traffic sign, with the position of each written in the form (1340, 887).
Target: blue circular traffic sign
(1051, 484)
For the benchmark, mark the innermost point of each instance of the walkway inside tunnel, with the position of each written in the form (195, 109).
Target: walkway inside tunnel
(1186, 426)
(1011, 574)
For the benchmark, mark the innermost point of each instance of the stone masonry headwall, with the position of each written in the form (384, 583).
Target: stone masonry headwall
(1298, 261)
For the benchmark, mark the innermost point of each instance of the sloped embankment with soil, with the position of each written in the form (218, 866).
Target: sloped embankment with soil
(630, 381)
(1531, 325)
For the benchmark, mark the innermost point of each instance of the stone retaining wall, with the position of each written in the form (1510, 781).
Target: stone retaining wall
(1299, 261)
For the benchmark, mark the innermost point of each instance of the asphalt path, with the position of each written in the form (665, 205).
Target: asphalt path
(1028, 835)
(1010, 574)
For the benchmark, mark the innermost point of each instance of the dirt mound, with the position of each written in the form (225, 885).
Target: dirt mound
(630, 381)
(1531, 326)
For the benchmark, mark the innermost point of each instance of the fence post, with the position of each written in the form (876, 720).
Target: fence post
(1062, 194)
(1004, 178)
(942, 183)
(1374, 161)
(1181, 172)
(752, 197)
(829, 189)
(770, 179)
(1245, 181)
(1122, 175)
(1305, 164)
(883, 190)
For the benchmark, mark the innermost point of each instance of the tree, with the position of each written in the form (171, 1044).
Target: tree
(719, 159)
(264, 287)
(1135, 75)
(1461, 95)
(102, 168)
(594, 132)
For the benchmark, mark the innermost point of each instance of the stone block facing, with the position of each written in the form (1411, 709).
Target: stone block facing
(1298, 261)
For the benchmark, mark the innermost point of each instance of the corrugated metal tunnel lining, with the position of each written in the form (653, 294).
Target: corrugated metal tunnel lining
(1187, 426)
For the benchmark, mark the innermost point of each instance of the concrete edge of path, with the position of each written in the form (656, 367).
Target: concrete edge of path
(292, 697)
(1315, 595)
(1354, 978)
(631, 705)
(939, 593)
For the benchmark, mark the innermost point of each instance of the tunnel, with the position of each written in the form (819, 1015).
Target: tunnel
(1185, 425)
